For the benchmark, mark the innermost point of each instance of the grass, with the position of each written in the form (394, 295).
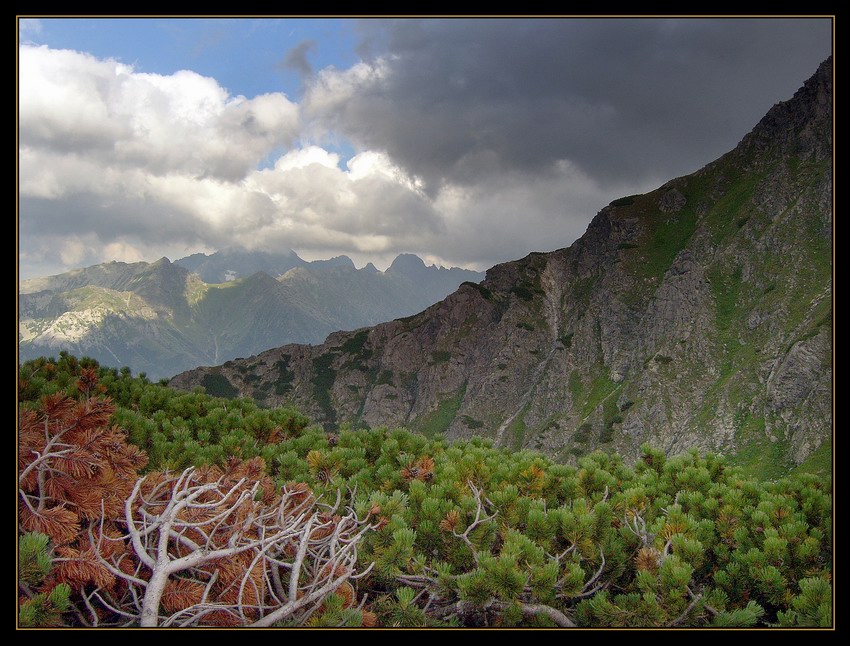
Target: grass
(823, 314)
(665, 234)
(610, 415)
(734, 210)
(763, 459)
(91, 296)
(819, 462)
(575, 387)
(438, 421)
(729, 294)
(668, 239)
(758, 456)
(600, 388)
(517, 429)
(726, 289)
(784, 284)
(195, 290)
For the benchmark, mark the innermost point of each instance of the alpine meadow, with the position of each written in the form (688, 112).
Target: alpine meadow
(631, 431)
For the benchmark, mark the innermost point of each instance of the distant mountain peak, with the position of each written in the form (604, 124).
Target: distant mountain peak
(407, 263)
(164, 317)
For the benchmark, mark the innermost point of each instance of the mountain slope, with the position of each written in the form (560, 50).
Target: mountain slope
(697, 315)
(161, 319)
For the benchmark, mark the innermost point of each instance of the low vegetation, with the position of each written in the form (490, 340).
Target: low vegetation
(142, 506)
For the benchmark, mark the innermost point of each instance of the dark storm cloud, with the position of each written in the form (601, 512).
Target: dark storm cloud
(624, 100)
(296, 58)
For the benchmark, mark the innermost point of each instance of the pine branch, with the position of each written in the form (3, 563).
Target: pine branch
(710, 609)
(678, 620)
(479, 509)
(467, 608)
(533, 609)
(563, 554)
(637, 526)
(596, 576)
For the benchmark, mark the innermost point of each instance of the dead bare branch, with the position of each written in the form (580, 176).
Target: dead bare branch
(245, 561)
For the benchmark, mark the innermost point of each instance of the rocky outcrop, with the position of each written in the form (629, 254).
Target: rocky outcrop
(697, 315)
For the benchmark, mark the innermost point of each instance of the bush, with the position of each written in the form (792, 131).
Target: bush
(463, 534)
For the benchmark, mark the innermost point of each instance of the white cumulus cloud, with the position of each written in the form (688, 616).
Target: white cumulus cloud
(73, 104)
(119, 164)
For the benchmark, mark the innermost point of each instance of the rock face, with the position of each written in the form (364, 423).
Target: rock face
(161, 319)
(697, 315)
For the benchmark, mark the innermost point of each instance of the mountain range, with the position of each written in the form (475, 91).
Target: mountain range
(698, 315)
(163, 317)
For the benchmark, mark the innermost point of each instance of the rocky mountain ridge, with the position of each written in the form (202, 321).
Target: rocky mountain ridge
(698, 315)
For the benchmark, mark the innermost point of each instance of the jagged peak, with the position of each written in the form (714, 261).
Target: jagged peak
(803, 122)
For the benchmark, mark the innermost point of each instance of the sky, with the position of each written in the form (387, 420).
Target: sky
(468, 142)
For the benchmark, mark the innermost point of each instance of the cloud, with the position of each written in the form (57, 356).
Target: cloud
(77, 106)
(474, 142)
(296, 58)
(457, 101)
(305, 200)
(135, 164)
